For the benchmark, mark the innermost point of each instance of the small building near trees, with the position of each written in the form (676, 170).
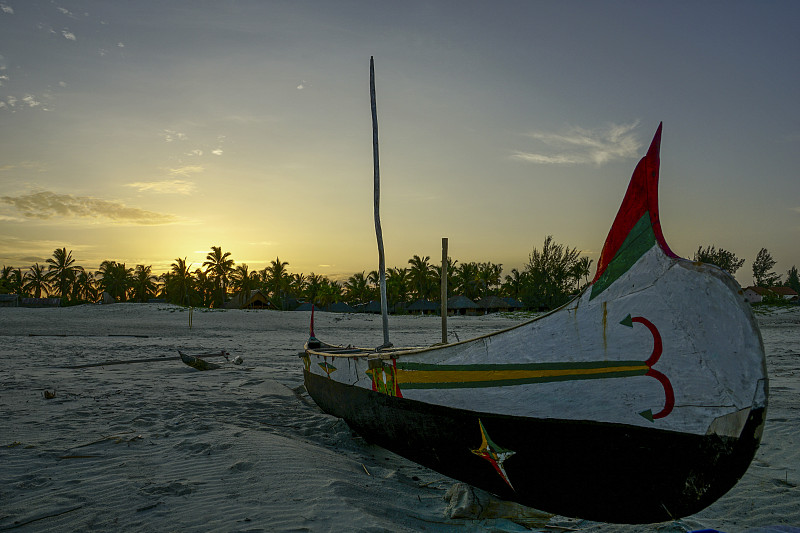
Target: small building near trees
(461, 305)
(424, 307)
(255, 300)
(756, 295)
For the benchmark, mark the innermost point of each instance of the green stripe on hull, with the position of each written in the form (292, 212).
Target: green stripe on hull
(520, 381)
(640, 239)
(588, 365)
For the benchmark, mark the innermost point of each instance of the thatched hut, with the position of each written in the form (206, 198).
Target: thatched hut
(461, 305)
(373, 306)
(40, 302)
(492, 304)
(340, 307)
(514, 304)
(255, 300)
(423, 307)
(9, 300)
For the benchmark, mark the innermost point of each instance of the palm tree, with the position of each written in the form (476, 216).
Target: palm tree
(36, 281)
(145, 283)
(276, 274)
(374, 281)
(356, 288)
(436, 279)
(297, 283)
(219, 267)
(420, 274)
(397, 282)
(204, 286)
(244, 281)
(16, 281)
(4, 288)
(115, 279)
(514, 284)
(489, 277)
(467, 281)
(313, 286)
(86, 287)
(581, 269)
(179, 281)
(329, 292)
(62, 270)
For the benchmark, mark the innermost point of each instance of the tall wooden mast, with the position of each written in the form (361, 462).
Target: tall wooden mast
(377, 195)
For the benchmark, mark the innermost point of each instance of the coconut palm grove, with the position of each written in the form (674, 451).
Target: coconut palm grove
(549, 277)
(547, 280)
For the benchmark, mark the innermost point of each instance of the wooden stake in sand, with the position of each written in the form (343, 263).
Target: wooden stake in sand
(445, 268)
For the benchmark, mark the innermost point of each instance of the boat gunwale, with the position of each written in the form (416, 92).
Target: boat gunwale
(394, 353)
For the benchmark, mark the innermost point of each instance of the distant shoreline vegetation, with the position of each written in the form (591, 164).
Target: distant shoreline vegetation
(549, 278)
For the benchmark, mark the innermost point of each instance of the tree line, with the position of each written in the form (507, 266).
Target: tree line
(549, 278)
(763, 274)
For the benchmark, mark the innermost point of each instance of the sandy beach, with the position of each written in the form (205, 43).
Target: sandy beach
(158, 446)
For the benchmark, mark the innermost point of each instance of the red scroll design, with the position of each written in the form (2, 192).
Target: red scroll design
(669, 394)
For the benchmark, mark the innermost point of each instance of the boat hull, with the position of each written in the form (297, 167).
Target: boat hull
(197, 363)
(598, 471)
(641, 400)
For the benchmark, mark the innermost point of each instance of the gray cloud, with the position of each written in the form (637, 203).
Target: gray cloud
(46, 205)
(581, 146)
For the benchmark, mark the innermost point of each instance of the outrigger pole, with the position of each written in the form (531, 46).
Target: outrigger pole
(377, 195)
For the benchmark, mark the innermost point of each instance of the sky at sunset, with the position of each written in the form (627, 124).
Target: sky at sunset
(145, 131)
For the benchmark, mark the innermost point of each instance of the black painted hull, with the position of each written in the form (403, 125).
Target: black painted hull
(596, 471)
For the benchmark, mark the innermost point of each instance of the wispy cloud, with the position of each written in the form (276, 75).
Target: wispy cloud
(24, 165)
(68, 35)
(172, 135)
(164, 186)
(6, 9)
(186, 170)
(46, 205)
(31, 101)
(578, 146)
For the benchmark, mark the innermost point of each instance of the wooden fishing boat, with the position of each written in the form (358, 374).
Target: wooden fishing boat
(641, 400)
(198, 363)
